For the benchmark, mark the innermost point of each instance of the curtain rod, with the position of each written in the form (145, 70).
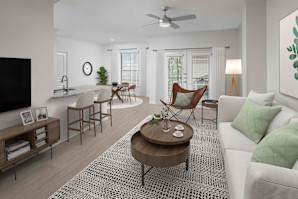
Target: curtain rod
(127, 49)
(227, 47)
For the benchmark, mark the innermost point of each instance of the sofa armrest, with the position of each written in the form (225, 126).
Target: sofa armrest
(266, 181)
(229, 107)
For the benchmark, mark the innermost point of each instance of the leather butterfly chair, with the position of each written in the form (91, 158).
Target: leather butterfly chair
(194, 102)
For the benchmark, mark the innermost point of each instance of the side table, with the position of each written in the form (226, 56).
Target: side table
(210, 104)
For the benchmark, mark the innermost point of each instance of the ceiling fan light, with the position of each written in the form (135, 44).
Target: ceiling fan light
(164, 24)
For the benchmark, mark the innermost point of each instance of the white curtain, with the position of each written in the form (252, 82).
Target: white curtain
(217, 73)
(160, 76)
(116, 66)
(142, 73)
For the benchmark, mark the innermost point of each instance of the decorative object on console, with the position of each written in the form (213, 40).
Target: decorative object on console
(233, 67)
(87, 68)
(114, 83)
(262, 99)
(279, 148)
(253, 120)
(288, 72)
(103, 78)
(27, 117)
(16, 149)
(41, 113)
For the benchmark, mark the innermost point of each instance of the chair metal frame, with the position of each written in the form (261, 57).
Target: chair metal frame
(191, 107)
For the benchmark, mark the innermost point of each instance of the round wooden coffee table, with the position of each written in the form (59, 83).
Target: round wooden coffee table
(153, 147)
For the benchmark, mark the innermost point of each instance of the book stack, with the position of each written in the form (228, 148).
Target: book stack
(40, 137)
(16, 149)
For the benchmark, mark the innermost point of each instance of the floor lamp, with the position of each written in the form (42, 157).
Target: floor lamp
(233, 67)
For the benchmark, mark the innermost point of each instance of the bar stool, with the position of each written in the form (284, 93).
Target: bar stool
(104, 96)
(85, 101)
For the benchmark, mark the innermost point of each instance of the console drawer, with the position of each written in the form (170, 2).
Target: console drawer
(1, 143)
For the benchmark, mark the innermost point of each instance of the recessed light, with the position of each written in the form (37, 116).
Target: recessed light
(112, 40)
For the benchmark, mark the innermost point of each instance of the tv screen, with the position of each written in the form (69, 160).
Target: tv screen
(15, 83)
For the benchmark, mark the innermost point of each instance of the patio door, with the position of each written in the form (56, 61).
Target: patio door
(189, 69)
(176, 71)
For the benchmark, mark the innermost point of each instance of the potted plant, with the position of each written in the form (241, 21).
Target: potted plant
(163, 118)
(102, 75)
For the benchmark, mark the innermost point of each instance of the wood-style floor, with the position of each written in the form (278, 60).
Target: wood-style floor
(40, 176)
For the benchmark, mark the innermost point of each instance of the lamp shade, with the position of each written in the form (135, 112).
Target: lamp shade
(233, 66)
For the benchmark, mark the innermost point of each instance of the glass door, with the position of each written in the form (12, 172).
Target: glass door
(176, 70)
(200, 73)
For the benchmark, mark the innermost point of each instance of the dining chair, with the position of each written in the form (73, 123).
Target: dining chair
(197, 95)
(84, 102)
(131, 92)
(125, 89)
(104, 96)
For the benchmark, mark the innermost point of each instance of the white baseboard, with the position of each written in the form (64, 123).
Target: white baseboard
(152, 102)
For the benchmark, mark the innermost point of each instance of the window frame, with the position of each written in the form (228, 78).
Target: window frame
(135, 70)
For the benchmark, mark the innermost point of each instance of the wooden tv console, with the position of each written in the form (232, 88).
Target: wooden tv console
(15, 133)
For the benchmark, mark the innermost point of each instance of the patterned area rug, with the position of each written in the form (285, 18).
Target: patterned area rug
(116, 174)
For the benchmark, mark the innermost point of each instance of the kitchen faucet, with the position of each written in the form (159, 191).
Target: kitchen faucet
(66, 79)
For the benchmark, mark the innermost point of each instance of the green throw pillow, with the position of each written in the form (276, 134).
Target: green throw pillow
(279, 148)
(183, 99)
(253, 120)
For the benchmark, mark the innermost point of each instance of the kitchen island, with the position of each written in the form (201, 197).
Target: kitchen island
(78, 90)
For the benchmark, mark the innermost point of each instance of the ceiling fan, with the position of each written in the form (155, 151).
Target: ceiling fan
(166, 21)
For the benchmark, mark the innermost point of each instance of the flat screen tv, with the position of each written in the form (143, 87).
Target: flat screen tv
(15, 83)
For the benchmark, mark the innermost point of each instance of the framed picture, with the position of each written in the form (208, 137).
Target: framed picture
(288, 55)
(41, 113)
(27, 117)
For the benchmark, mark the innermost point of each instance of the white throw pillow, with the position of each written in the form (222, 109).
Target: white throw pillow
(263, 99)
(294, 120)
(295, 167)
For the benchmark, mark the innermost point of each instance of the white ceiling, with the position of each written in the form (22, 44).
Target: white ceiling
(123, 20)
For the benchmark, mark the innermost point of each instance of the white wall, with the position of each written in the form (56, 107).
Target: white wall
(27, 32)
(254, 44)
(78, 53)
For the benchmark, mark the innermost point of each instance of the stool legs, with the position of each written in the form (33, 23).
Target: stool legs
(111, 113)
(81, 124)
(94, 120)
(67, 124)
(100, 117)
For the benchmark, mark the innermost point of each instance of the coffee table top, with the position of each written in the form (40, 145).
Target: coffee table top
(155, 134)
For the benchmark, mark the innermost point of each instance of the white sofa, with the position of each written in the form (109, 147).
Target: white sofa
(247, 179)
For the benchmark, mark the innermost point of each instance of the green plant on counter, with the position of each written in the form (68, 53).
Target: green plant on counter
(294, 49)
(102, 75)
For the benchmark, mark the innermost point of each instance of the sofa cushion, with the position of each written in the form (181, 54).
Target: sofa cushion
(279, 148)
(253, 120)
(231, 138)
(236, 164)
(263, 99)
(281, 119)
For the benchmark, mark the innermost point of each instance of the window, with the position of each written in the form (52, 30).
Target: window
(130, 68)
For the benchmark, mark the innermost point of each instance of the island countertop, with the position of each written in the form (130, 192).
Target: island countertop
(77, 90)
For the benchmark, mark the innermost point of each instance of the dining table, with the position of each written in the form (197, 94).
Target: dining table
(116, 89)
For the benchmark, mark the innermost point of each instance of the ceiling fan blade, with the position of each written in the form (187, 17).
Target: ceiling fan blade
(182, 18)
(153, 16)
(150, 24)
(175, 26)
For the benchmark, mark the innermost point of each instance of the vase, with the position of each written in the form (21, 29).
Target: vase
(166, 125)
